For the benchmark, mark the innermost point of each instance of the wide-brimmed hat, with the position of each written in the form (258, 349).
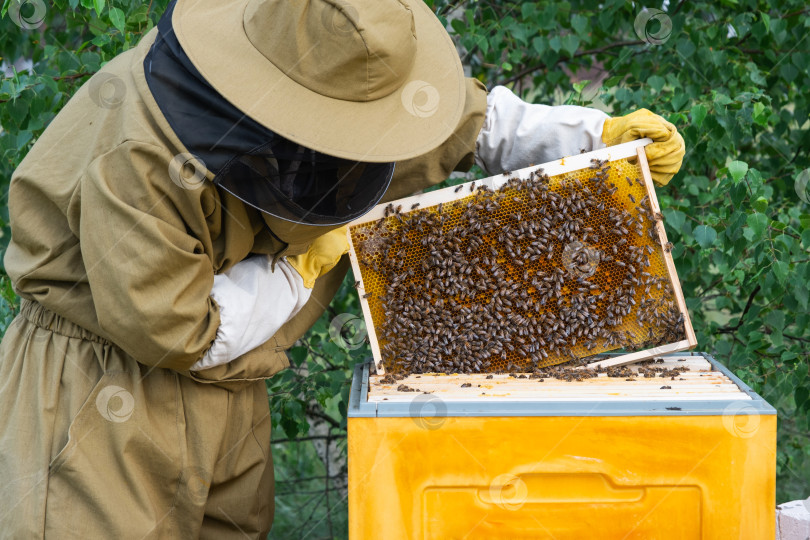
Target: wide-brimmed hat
(367, 80)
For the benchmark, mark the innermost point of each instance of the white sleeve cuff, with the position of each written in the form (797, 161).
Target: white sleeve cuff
(254, 303)
(517, 134)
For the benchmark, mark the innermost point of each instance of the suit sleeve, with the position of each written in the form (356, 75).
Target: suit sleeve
(455, 154)
(517, 134)
(255, 300)
(149, 277)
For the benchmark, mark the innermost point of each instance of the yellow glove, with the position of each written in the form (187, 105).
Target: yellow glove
(321, 256)
(664, 155)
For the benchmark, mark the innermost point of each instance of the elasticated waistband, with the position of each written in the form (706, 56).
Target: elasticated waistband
(39, 316)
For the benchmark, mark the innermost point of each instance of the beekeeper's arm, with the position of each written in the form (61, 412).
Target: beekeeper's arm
(517, 134)
(256, 299)
(454, 154)
(153, 286)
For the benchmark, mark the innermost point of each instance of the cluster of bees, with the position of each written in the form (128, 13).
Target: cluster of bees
(538, 272)
(645, 370)
(574, 371)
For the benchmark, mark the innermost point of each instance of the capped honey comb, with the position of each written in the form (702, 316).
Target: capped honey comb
(536, 272)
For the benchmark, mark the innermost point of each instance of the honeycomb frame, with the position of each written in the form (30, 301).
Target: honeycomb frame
(558, 171)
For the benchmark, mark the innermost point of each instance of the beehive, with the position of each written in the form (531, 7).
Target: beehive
(523, 270)
(494, 456)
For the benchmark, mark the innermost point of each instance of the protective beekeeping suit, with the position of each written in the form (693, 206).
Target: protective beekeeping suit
(180, 224)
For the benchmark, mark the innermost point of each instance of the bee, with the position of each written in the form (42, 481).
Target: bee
(459, 188)
(668, 247)
(356, 284)
(414, 206)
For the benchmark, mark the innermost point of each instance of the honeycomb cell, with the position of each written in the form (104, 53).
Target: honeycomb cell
(537, 273)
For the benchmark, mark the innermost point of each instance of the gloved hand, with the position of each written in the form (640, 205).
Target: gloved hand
(323, 254)
(666, 152)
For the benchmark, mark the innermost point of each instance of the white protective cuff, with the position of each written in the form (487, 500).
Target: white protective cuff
(517, 134)
(254, 303)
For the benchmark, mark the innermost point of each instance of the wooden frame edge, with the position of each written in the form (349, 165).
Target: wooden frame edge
(371, 331)
(662, 237)
(639, 356)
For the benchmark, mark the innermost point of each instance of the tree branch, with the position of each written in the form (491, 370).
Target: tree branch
(717, 282)
(727, 330)
(59, 78)
(678, 7)
(308, 478)
(74, 76)
(310, 438)
(317, 414)
(598, 50)
(797, 338)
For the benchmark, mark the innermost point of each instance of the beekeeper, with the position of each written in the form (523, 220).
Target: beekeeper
(179, 225)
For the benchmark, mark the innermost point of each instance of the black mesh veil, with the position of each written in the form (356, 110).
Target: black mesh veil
(263, 169)
(297, 184)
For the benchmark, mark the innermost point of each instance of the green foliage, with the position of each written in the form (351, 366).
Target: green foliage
(322, 366)
(71, 42)
(731, 75)
(309, 501)
(9, 304)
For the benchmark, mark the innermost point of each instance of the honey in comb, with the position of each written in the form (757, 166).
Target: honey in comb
(539, 272)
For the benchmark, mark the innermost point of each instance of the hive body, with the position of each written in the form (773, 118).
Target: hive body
(603, 458)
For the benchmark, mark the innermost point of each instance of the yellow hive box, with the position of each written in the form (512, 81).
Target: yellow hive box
(487, 457)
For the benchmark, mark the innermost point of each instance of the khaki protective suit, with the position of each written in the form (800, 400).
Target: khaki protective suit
(104, 432)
